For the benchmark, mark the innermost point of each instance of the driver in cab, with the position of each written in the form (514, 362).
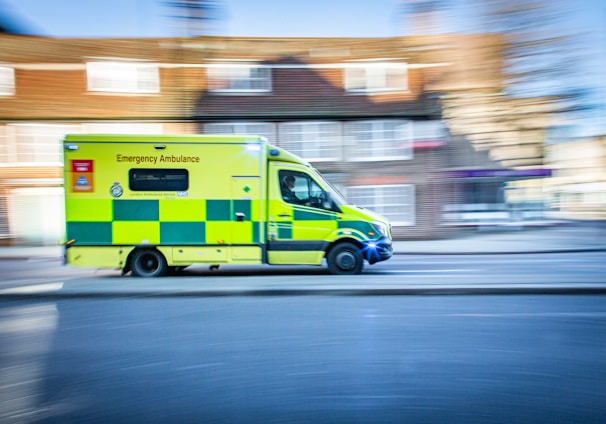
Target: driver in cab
(288, 187)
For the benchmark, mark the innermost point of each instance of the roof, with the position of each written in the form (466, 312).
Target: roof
(162, 138)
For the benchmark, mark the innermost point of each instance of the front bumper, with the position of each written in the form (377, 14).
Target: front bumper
(378, 250)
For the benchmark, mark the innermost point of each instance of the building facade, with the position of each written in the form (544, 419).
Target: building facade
(368, 113)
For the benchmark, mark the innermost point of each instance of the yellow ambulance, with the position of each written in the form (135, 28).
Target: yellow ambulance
(150, 204)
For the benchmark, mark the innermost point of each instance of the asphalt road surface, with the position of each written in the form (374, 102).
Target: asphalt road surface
(304, 359)
(418, 272)
(72, 354)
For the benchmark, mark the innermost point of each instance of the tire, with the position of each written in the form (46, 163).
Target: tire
(345, 258)
(148, 263)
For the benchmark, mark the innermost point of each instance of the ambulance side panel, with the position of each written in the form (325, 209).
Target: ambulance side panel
(195, 202)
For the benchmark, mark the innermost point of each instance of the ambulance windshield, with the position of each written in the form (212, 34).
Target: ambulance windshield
(335, 195)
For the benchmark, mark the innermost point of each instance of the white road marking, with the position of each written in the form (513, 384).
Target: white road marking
(414, 271)
(36, 288)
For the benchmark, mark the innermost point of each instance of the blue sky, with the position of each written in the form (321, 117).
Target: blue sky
(149, 18)
(283, 18)
(273, 18)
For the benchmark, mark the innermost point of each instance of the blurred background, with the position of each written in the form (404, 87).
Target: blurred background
(442, 115)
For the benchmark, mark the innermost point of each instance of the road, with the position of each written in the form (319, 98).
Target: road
(87, 357)
(400, 275)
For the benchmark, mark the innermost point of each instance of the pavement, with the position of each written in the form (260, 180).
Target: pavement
(565, 236)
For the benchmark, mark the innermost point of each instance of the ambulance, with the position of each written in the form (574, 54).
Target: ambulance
(152, 204)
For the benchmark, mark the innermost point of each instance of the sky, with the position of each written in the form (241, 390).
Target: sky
(150, 18)
(284, 18)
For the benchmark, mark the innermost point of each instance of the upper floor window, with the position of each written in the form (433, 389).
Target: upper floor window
(239, 78)
(123, 77)
(376, 78)
(313, 141)
(7, 81)
(378, 140)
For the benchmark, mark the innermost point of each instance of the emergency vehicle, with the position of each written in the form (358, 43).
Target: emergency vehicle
(150, 204)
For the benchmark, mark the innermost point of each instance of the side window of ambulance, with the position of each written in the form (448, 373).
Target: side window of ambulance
(294, 187)
(299, 189)
(144, 179)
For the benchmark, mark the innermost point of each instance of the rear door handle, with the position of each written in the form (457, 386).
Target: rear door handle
(284, 215)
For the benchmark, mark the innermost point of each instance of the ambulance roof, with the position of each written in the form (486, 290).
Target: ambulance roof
(163, 138)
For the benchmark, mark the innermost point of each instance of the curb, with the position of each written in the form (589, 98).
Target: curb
(417, 291)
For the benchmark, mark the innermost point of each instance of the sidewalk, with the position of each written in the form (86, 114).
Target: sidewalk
(565, 237)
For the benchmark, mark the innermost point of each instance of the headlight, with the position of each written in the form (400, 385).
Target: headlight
(380, 227)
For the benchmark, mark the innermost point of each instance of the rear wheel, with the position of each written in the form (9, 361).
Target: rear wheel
(345, 258)
(148, 263)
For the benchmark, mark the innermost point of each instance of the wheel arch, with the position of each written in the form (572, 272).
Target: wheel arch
(337, 242)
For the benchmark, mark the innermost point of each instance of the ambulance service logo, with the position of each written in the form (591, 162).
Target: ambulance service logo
(116, 189)
(82, 176)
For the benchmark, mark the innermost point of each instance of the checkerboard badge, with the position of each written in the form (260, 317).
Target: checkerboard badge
(116, 189)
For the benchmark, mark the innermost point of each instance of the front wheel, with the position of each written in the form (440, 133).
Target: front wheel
(148, 263)
(345, 258)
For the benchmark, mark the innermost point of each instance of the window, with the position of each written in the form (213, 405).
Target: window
(239, 79)
(264, 129)
(313, 141)
(4, 212)
(300, 189)
(379, 140)
(123, 77)
(34, 144)
(376, 77)
(429, 131)
(158, 179)
(396, 202)
(123, 128)
(7, 81)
